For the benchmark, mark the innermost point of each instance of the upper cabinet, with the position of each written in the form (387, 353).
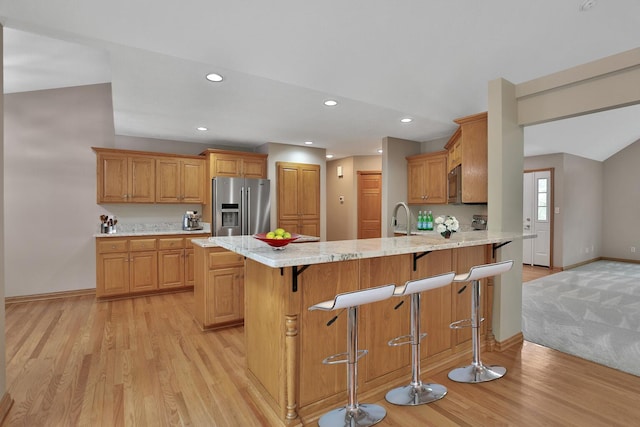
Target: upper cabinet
(142, 177)
(236, 164)
(125, 178)
(427, 178)
(468, 147)
(180, 180)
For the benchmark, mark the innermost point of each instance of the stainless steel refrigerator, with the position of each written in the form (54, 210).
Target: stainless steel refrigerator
(240, 206)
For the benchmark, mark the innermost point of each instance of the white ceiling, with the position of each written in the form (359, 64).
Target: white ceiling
(381, 59)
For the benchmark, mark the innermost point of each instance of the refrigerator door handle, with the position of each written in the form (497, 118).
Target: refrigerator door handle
(248, 216)
(243, 213)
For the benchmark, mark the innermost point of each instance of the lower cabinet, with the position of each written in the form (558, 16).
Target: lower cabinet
(218, 287)
(134, 266)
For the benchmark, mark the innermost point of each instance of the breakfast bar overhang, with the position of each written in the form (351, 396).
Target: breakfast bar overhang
(285, 343)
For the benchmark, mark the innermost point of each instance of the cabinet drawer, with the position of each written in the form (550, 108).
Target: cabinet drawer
(142, 244)
(171, 243)
(224, 259)
(106, 246)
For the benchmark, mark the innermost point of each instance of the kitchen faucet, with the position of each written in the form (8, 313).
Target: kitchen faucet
(394, 222)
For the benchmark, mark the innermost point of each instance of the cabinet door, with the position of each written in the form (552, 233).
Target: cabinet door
(168, 180)
(112, 178)
(223, 295)
(254, 168)
(288, 177)
(227, 165)
(416, 173)
(142, 180)
(193, 181)
(464, 259)
(171, 265)
(144, 271)
(436, 180)
(112, 274)
(309, 192)
(189, 267)
(310, 227)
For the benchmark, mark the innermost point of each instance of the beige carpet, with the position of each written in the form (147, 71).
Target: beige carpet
(592, 312)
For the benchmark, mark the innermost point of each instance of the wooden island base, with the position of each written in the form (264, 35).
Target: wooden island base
(286, 343)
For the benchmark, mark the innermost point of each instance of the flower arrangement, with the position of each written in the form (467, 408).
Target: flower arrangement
(445, 225)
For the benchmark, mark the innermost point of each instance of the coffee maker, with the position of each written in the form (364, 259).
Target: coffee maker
(191, 221)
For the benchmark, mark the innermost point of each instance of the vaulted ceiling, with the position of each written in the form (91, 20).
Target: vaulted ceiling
(381, 60)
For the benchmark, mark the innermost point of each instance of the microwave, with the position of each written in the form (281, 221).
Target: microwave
(455, 186)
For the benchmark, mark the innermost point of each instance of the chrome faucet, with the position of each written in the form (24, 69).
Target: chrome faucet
(394, 221)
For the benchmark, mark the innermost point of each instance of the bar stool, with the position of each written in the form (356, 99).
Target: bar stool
(417, 393)
(353, 414)
(477, 372)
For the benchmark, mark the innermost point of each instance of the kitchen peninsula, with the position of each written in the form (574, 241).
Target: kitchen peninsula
(285, 343)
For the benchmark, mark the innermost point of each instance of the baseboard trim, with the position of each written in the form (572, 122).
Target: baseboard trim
(517, 339)
(632, 261)
(48, 296)
(5, 406)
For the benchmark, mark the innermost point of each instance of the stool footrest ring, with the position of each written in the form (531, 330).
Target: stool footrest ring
(464, 323)
(342, 357)
(405, 339)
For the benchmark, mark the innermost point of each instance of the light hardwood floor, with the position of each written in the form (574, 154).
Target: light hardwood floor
(144, 362)
(533, 272)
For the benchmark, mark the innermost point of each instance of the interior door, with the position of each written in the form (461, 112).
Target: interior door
(537, 217)
(369, 204)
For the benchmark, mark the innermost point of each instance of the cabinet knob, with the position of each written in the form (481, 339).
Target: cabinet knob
(113, 246)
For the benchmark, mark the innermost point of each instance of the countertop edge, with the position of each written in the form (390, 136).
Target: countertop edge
(324, 252)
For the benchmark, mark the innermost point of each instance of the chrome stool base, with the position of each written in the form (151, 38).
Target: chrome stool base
(477, 373)
(363, 415)
(412, 396)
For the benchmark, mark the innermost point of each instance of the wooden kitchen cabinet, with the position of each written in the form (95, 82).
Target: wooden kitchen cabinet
(427, 178)
(141, 265)
(298, 187)
(468, 147)
(180, 180)
(125, 178)
(125, 266)
(219, 287)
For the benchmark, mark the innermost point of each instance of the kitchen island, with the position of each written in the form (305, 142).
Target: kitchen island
(285, 343)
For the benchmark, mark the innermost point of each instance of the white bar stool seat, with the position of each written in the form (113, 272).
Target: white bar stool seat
(477, 372)
(353, 414)
(417, 393)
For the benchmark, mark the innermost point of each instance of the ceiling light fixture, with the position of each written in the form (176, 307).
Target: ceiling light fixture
(584, 5)
(214, 77)
(308, 142)
(379, 150)
(406, 120)
(329, 156)
(202, 128)
(330, 103)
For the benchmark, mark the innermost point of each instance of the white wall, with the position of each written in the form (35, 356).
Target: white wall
(51, 214)
(621, 204)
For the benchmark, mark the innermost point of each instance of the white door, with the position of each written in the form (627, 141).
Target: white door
(537, 217)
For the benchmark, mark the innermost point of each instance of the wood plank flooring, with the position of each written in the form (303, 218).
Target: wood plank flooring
(144, 362)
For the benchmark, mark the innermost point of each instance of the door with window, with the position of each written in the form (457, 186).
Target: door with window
(537, 217)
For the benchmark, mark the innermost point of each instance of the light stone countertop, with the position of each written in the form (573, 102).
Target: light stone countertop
(342, 250)
(132, 230)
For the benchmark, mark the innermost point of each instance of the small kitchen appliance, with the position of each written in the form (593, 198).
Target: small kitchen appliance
(479, 222)
(191, 221)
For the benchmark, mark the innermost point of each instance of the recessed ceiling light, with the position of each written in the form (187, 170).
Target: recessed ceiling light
(406, 120)
(380, 150)
(330, 103)
(202, 128)
(308, 142)
(213, 77)
(329, 156)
